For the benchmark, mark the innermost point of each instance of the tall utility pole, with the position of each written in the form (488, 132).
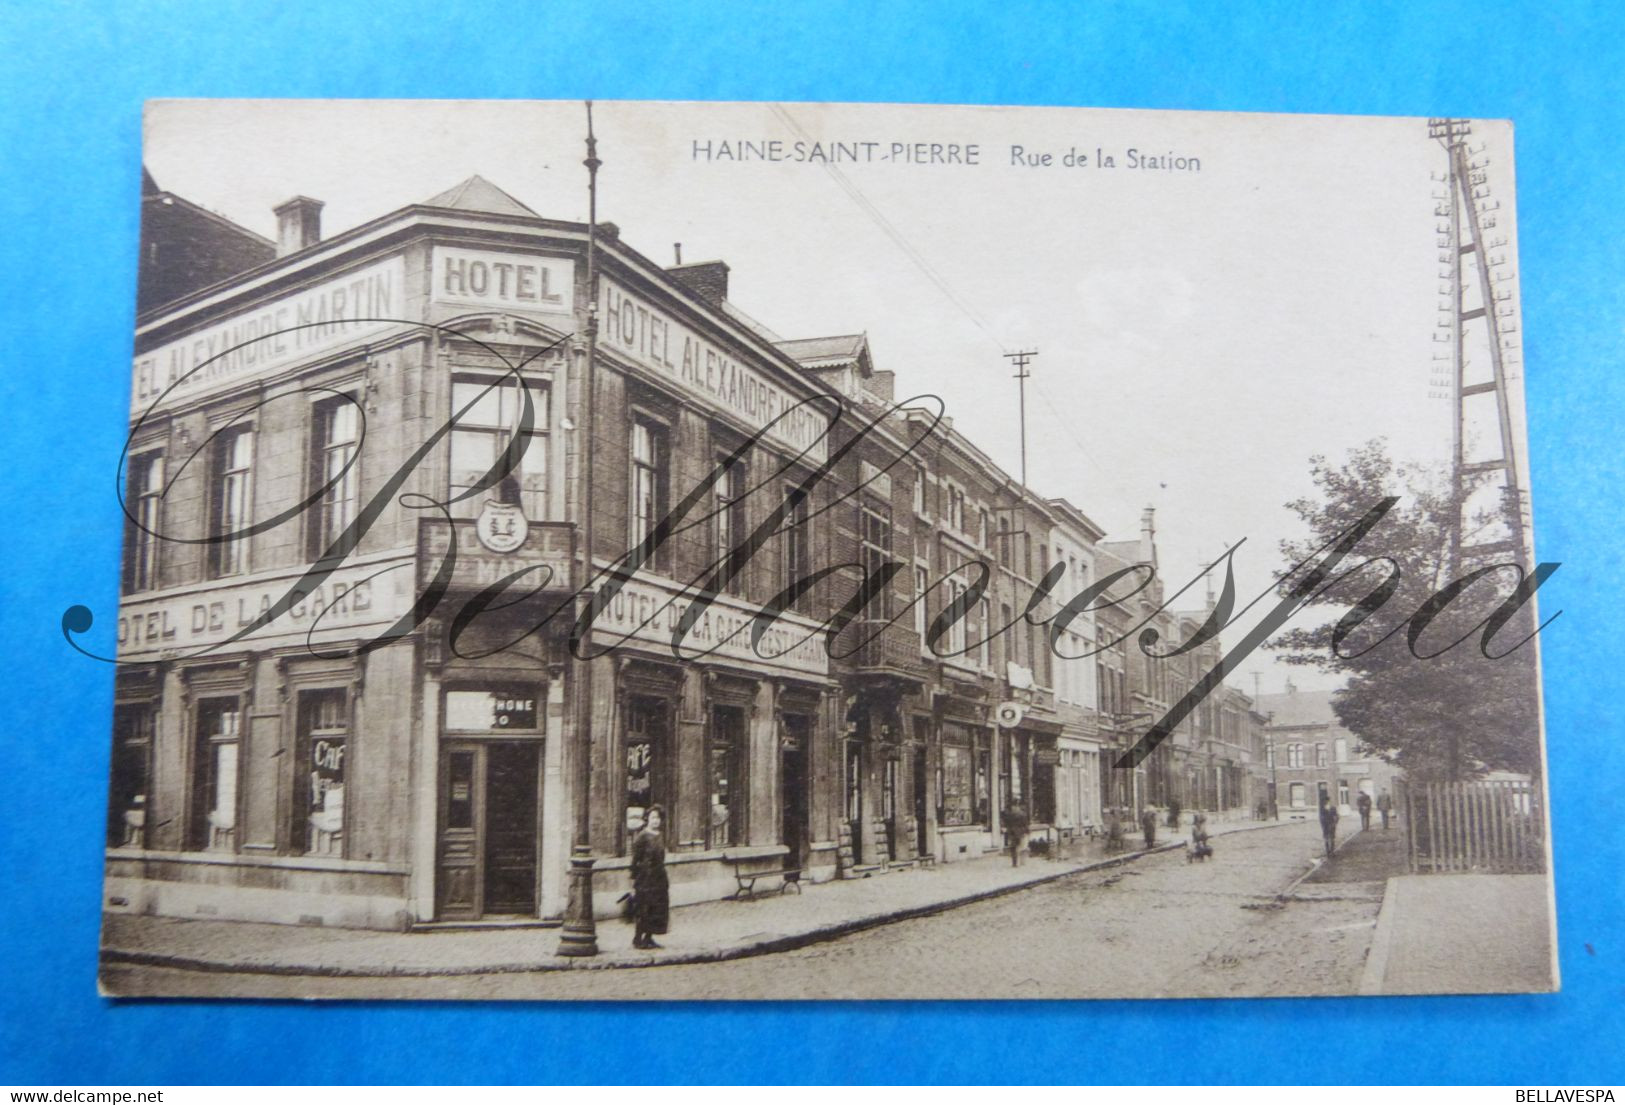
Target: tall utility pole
(579, 933)
(1020, 359)
(1478, 295)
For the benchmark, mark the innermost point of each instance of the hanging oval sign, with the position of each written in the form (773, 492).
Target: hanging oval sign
(1009, 714)
(501, 527)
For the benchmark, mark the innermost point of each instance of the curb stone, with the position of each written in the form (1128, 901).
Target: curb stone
(766, 946)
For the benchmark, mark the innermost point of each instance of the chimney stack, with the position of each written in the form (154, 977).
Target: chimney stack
(706, 279)
(298, 224)
(1148, 536)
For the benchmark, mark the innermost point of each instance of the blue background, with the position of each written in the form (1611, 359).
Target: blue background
(73, 83)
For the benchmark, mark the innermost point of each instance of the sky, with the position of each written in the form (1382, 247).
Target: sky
(1200, 333)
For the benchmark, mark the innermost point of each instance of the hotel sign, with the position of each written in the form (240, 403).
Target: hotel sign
(545, 551)
(652, 339)
(254, 344)
(647, 611)
(355, 601)
(525, 282)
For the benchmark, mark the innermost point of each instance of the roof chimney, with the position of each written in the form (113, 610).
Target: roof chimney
(706, 279)
(1148, 536)
(298, 224)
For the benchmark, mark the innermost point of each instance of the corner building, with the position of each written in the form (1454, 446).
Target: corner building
(344, 762)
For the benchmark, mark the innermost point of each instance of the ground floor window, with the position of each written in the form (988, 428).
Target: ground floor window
(324, 731)
(214, 783)
(725, 756)
(1298, 796)
(133, 727)
(647, 740)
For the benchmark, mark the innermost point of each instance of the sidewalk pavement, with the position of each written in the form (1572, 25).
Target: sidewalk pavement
(700, 933)
(1422, 946)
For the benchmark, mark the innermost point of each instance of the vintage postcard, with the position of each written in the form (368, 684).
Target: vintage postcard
(769, 551)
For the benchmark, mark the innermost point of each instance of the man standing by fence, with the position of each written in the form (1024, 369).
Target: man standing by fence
(1363, 804)
(1385, 806)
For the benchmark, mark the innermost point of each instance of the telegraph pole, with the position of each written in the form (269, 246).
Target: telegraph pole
(579, 933)
(1020, 359)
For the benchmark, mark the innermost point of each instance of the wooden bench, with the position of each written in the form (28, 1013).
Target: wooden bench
(746, 880)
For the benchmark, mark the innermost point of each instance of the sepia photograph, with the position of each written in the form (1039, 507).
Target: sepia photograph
(599, 551)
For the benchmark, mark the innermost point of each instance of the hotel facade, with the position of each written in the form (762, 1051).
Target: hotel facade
(400, 603)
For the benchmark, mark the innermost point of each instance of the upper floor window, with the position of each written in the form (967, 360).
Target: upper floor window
(485, 430)
(650, 462)
(335, 438)
(919, 493)
(956, 509)
(797, 546)
(1294, 755)
(230, 500)
(874, 520)
(921, 583)
(144, 501)
(984, 532)
(1320, 755)
(730, 524)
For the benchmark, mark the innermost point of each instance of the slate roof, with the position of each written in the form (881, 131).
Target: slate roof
(478, 194)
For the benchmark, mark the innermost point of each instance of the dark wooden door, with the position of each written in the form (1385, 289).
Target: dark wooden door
(510, 828)
(793, 787)
(489, 829)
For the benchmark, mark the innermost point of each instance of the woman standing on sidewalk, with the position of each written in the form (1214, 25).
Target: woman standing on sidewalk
(651, 900)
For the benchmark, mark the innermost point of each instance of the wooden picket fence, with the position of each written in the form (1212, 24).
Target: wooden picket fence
(1484, 825)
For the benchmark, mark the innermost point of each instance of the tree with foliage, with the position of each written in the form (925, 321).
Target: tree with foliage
(1442, 711)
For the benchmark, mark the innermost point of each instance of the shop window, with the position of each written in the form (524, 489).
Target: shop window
(144, 502)
(650, 460)
(335, 437)
(647, 733)
(213, 825)
(133, 727)
(725, 756)
(729, 523)
(487, 414)
(324, 730)
(956, 797)
(984, 779)
(230, 500)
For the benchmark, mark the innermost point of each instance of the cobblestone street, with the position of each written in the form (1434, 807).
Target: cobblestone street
(1161, 925)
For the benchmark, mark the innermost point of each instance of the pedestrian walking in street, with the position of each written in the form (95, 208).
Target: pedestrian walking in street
(1363, 804)
(1328, 823)
(1148, 825)
(1385, 806)
(651, 898)
(1016, 824)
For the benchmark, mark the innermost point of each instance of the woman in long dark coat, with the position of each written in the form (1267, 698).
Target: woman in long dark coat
(651, 901)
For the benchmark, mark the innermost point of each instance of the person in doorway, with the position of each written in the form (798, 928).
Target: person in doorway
(1363, 804)
(1385, 806)
(1328, 823)
(1016, 824)
(651, 898)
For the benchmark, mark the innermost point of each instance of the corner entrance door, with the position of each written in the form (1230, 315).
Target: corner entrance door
(489, 829)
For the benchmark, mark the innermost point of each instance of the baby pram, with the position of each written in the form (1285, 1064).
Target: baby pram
(1200, 847)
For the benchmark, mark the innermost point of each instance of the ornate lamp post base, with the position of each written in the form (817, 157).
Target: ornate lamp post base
(579, 935)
